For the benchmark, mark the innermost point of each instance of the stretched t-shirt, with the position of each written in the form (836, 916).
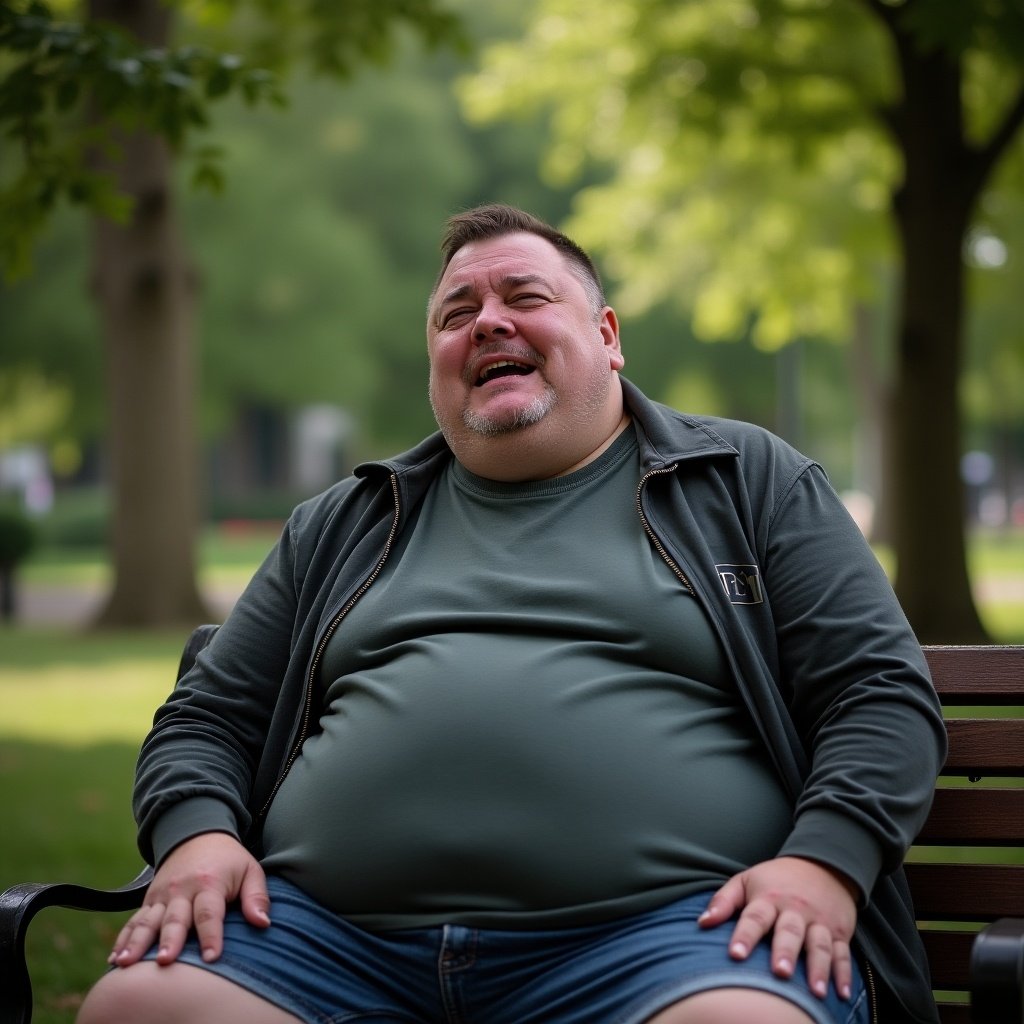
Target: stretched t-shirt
(527, 721)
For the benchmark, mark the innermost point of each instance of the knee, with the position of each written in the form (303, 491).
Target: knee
(126, 994)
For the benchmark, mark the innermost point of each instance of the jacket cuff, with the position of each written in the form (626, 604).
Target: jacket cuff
(837, 842)
(189, 818)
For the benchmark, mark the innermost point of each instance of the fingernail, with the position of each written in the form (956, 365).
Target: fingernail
(821, 988)
(845, 992)
(209, 955)
(738, 949)
(785, 966)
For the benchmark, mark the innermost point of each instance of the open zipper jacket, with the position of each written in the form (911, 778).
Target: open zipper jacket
(821, 651)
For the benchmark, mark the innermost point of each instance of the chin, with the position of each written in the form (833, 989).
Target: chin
(509, 421)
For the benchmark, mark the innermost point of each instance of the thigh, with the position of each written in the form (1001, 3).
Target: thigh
(629, 971)
(726, 1005)
(175, 994)
(319, 968)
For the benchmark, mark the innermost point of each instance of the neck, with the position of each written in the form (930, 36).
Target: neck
(528, 454)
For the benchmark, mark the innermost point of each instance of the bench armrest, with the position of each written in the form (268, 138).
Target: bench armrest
(21, 903)
(997, 973)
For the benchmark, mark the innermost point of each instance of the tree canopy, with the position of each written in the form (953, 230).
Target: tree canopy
(766, 162)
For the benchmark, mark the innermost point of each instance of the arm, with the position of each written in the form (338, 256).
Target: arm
(194, 780)
(857, 688)
(197, 766)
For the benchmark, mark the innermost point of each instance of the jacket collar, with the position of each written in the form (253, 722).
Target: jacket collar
(666, 436)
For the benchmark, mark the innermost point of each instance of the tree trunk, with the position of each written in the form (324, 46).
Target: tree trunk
(145, 290)
(932, 209)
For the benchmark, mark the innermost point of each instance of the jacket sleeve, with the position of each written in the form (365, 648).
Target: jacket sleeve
(857, 686)
(196, 767)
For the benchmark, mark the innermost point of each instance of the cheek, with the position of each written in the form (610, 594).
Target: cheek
(447, 357)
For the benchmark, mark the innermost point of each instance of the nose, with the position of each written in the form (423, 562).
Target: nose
(492, 322)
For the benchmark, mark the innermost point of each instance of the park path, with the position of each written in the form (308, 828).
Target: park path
(51, 604)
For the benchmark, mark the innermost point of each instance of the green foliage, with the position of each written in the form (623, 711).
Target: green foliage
(70, 87)
(748, 153)
(333, 38)
(78, 519)
(31, 406)
(316, 261)
(17, 536)
(743, 165)
(296, 258)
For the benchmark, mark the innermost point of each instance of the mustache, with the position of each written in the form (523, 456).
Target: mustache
(514, 350)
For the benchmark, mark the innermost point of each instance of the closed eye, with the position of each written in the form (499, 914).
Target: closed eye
(454, 317)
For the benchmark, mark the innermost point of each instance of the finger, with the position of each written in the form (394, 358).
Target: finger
(254, 898)
(842, 968)
(208, 911)
(787, 942)
(820, 952)
(756, 921)
(725, 902)
(137, 935)
(174, 929)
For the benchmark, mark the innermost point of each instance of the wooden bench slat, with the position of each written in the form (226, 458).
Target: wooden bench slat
(949, 955)
(955, 1013)
(985, 746)
(956, 673)
(967, 892)
(975, 816)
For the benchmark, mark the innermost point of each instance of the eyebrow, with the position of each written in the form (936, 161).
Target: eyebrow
(509, 281)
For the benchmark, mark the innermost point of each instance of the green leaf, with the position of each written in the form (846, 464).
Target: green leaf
(68, 92)
(209, 176)
(219, 83)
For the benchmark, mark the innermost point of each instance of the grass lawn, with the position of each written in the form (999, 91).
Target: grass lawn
(77, 705)
(75, 709)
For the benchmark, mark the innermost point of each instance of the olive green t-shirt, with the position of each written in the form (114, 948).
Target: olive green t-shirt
(527, 721)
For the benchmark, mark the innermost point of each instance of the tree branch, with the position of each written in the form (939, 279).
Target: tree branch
(989, 154)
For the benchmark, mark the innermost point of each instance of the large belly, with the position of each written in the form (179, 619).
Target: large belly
(507, 789)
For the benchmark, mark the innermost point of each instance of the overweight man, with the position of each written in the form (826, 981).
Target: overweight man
(582, 710)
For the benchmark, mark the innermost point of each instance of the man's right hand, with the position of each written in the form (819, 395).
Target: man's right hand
(193, 887)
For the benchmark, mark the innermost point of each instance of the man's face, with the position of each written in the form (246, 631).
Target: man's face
(517, 347)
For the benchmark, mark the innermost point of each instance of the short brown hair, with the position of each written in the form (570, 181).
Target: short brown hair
(496, 219)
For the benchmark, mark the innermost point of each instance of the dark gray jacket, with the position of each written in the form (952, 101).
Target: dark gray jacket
(822, 653)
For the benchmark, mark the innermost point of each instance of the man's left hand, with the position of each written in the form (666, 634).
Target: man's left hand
(806, 905)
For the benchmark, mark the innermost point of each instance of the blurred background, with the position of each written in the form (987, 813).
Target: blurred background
(219, 224)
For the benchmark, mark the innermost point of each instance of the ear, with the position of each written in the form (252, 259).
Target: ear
(609, 328)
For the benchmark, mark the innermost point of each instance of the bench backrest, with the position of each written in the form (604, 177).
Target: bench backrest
(967, 868)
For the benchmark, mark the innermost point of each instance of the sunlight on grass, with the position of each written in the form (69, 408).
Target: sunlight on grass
(80, 689)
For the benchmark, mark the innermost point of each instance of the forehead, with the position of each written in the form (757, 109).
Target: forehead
(491, 261)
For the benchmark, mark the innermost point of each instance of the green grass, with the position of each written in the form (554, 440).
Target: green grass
(75, 709)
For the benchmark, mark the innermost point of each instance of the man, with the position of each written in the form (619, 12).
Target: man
(582, 710)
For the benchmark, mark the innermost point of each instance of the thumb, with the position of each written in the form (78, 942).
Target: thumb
(729, 899)
(253, 896)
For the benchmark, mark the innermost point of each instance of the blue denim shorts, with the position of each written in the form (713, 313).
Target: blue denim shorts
(322, 969)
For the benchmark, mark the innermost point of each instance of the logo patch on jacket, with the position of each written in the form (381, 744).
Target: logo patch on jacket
(742, 583)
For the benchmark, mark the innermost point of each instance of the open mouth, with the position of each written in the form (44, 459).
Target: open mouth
(503, 368)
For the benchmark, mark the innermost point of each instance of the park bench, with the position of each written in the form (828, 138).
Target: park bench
(969, 901)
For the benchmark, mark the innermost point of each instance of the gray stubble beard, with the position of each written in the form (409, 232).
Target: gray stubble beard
(487, 426)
